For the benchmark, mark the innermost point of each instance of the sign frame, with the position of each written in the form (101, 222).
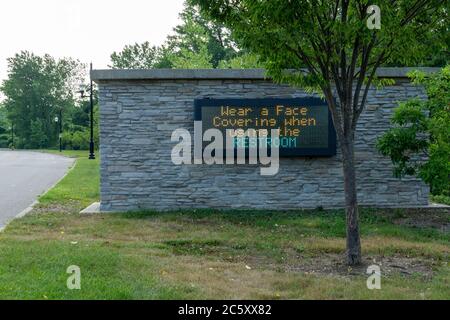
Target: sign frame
(330, 151)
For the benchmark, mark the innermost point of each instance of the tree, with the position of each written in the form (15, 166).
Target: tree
(36, 89)
(5, 128)
(38, 138)
(423, 128)
(195, 43)
(436, 51)
(190, 45)
(341, 48)
(140, 56)
(242, 61)
(195, 34)
(186, 59)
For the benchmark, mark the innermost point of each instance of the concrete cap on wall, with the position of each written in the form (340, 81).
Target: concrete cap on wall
(219, 74)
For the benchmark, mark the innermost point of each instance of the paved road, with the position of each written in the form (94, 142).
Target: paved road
(24, 176)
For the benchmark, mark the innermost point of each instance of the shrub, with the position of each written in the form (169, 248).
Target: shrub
(419, 142)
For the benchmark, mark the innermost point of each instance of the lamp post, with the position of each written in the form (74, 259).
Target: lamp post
(12, 135)
(59, 120)
(91, 99)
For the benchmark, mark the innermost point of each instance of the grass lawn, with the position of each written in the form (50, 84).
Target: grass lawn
(213, 255)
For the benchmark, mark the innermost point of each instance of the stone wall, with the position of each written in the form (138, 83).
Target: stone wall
(140, 109)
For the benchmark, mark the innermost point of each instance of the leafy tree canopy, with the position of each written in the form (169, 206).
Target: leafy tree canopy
(36, 89)
(140, 56)
(242, 61)
(196, 32)
(5, 128)
(423, 128)
(195, 43)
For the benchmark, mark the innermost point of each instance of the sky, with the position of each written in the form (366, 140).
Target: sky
(88, 30)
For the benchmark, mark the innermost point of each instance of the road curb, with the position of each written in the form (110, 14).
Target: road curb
(31, 207)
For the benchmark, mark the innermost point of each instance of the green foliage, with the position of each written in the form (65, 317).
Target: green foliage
(195, 43)
(38, 138)
(198, 35)
(326, 47)
(4, 140)
(78, 140)
(244, 61)
(36, 89)
(140, 56)
(441, 199)
(422, 128)
(186, 59)
(430, 49)
(77, 134)
(435, 47)
(5, 128)
(312, 34)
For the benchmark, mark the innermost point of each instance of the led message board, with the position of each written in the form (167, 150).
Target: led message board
(305, 124)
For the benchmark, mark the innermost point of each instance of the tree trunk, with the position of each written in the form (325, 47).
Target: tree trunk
(351, 202)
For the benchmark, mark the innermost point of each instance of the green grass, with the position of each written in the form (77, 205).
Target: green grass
(210, 254)
(81, 184)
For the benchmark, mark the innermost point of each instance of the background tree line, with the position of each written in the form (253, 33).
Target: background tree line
(37, 91)
(39, 86)
(195, 43)
(201, 42)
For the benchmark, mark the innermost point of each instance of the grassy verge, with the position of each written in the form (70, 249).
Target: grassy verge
(207, 254)
(79, 188)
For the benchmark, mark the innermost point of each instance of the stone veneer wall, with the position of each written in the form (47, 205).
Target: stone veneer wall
(140, 109)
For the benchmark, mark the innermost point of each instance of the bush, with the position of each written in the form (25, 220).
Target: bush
(78, 140)
(38, 137)
(441, 199)
(419, 143)
(4, 140)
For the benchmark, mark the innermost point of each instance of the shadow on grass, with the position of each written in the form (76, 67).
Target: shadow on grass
(326, 223)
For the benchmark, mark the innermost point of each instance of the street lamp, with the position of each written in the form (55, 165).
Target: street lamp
(12, 135)
(91, 97)
(60, 128)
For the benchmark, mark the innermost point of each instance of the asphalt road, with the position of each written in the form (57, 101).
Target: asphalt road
(24, 176)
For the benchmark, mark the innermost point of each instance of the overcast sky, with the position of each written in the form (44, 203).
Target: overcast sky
(89, 30)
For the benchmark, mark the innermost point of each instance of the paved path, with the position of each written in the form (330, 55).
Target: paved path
(24, 176)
